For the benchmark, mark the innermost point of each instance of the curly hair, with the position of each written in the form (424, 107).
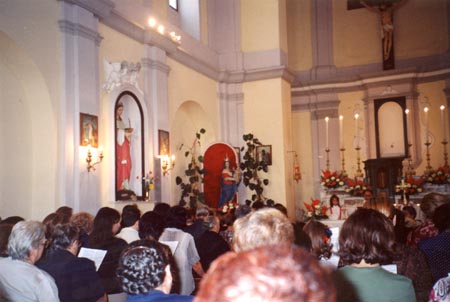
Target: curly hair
(262, 227)
(84, 221)
(367, 235)
(273, 273)
(142, 268)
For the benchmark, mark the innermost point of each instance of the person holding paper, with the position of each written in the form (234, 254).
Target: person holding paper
(106, 225)
(75, 277)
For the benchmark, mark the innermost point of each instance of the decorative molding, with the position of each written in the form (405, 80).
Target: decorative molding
(399, 76)
(231, 97)
(156, 65)
(322, 113)
(317, 106)
(71, 28)
(100, 8)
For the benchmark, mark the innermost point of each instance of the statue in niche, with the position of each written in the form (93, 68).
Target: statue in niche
(123, 150)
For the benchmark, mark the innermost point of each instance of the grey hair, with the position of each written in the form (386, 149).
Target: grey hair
(25, 236)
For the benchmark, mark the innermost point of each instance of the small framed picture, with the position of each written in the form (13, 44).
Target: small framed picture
(164, 142)
(264, 153)
(88, 130)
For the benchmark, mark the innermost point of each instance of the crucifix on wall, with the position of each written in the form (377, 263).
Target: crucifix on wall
(385, 9)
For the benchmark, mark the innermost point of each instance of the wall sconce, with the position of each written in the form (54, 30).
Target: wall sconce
(89, 159)
(167, 163)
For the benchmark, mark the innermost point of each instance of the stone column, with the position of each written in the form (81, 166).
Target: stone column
(79, 93)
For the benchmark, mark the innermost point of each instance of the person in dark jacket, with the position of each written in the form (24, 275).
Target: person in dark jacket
(75, 277)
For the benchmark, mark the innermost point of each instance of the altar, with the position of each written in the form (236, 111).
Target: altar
(348, 203)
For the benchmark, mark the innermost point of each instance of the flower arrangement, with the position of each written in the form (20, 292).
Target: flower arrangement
(149, 181)
(441, 176)
(356, 187)
(409, 186)
(332, 180)
(229, 206)
(316, 209)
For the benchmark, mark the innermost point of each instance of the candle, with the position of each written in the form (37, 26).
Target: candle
(326, 132)
(341, 131)
(425, 110)
(444, 128)
(407, 124)
(357, 129)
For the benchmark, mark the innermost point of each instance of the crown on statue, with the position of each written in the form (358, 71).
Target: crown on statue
(226, 158)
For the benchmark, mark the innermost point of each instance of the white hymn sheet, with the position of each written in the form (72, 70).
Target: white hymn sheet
(171, 244)
(93, 254)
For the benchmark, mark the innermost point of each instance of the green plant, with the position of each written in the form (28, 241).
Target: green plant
(191, 190)
(251, 169)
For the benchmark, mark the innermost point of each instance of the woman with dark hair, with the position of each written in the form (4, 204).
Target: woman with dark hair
(320, 240)
(366, 241)
(144, 273)
(106, 225)
(75, 277)
(185, 254)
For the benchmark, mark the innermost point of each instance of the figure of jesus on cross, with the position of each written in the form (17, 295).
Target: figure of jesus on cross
(386, 12)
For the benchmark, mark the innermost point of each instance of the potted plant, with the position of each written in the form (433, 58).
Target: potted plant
(191, 192)
(251, 170)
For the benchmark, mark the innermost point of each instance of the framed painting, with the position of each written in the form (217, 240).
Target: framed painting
(163, 142)
(264, 153)
(88, 130)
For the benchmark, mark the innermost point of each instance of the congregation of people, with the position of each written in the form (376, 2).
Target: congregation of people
(252, 253)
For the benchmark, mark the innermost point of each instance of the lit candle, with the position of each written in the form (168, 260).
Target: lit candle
(407, 124)
(444, 128)
(341, 131)
(425, 110)
(357, 129)
(326, 132)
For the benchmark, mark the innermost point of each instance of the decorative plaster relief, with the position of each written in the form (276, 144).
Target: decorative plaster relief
(118, 73)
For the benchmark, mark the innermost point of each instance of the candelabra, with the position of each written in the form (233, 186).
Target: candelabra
(327, 150)
(90, 165)
(428, 168)
(410, 170)
(343, 160)
(358, 163)
(444, 143)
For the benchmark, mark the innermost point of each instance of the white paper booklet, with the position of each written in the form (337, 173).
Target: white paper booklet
(93, 254)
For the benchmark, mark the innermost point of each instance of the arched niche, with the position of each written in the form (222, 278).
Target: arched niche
(129, 148)
(30, 186)
(390, 124)
(214, 158)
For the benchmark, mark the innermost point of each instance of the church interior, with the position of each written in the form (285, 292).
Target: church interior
(324, 86)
